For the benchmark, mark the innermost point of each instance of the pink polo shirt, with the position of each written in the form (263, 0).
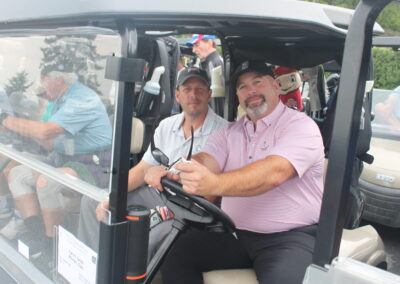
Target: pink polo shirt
(287, 133)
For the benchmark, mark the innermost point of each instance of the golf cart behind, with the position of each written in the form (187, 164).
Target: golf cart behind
(380, 181)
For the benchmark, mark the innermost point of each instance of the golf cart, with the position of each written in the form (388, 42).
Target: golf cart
(126, 39)
(379, 181)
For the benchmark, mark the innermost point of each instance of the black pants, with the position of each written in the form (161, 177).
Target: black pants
(276, 258)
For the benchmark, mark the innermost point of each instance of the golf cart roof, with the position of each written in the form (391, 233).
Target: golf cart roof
(297, 11)
(393, 42)
(285, 32)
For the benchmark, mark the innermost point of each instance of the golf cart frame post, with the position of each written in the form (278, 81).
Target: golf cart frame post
(345, 131)
(114, 238)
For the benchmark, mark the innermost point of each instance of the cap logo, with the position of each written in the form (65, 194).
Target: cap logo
(245, 65)
(193, 70)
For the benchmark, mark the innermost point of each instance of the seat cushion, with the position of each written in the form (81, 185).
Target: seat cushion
(231, 276)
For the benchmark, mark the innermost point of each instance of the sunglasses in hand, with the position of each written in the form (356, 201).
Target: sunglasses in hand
(160, 157)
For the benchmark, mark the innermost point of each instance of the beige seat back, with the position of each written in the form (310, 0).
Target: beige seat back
(137, 135)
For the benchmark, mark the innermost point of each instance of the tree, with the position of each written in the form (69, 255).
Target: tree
(18, 84)
(386, 61)
(340, 3)
(77, 52)
(389, 18)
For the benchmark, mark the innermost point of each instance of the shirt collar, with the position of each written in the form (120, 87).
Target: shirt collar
(69, 92)
(208, 124)
(179, 121)
(268, 120)
(205, 129)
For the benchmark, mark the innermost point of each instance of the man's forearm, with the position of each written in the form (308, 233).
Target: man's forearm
(256, 178)
(135, 179)
(33, 129)
(136, 175)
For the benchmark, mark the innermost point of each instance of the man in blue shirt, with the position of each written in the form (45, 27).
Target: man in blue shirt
(78, 135)
(83, 117)
(5, 211)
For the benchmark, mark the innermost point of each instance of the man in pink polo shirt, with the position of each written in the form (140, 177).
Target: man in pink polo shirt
(268, 168)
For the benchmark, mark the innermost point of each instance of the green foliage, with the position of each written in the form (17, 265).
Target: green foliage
(387, 61)
(389, 19)
(340, 3)
(76, 53)
(386, 68)
(344, 3)
(18, 83)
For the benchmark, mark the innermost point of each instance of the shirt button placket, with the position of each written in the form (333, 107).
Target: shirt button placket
(251, 148)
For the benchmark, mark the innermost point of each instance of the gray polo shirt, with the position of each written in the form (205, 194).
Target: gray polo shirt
(169, 137)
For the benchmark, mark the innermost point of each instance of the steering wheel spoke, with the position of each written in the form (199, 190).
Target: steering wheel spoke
(192, 208)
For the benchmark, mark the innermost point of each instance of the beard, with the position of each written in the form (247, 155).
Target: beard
(256, 108)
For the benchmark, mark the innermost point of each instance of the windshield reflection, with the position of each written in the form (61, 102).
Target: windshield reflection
(386, 107)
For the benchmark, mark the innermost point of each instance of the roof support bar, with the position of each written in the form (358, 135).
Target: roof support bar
(344, 138)
(122, 132)
(113, 237)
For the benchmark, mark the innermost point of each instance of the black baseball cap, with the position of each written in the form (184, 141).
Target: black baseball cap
(192, 72)
(257, 66)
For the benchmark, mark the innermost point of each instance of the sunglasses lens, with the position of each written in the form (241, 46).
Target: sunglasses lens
(164, 161)
(160, 157)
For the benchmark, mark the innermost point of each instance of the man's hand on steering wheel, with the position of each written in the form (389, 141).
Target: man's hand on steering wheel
(195, 209)
(154, 174)
(198, 179)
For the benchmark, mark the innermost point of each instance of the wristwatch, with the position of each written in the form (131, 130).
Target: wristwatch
(3, 116)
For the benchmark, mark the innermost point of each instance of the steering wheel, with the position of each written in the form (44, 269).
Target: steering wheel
(197, 209)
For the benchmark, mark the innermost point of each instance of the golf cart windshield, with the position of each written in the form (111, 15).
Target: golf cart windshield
(76, 162)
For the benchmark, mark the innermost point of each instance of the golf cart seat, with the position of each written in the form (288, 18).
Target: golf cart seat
(137, 134)
(362, 244)
(231, 276)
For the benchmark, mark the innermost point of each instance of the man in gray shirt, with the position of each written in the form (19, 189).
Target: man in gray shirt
(173, 137)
